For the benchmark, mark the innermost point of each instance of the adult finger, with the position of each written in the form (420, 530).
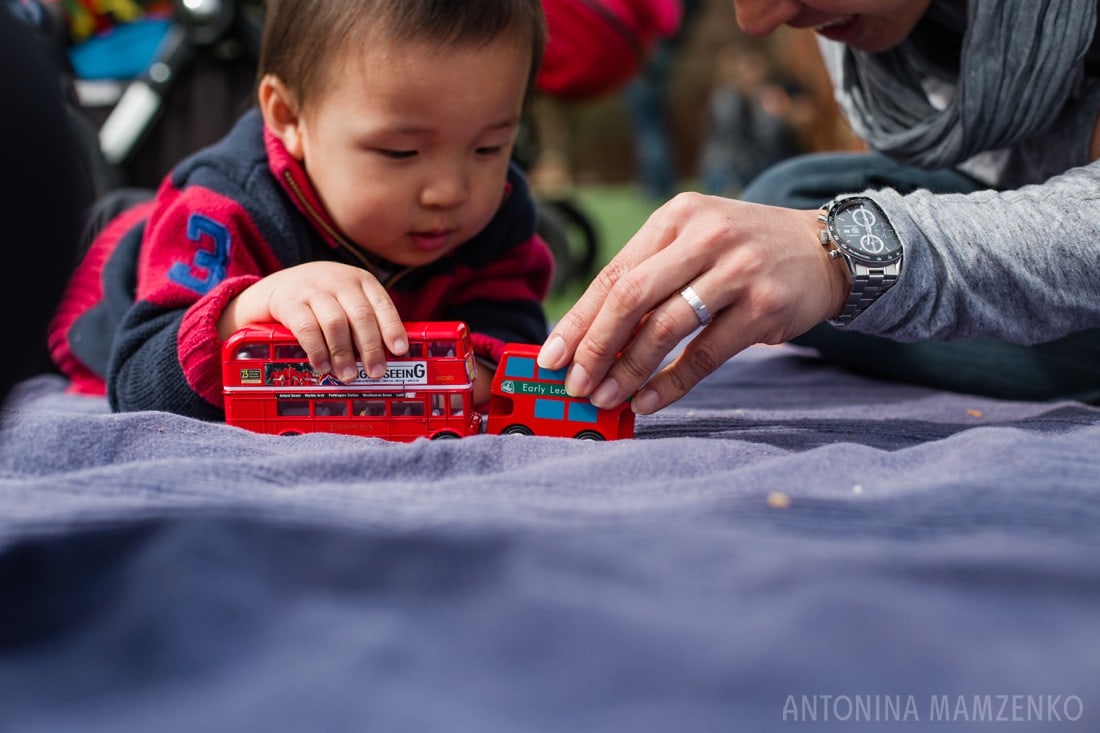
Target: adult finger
(560, 347)
(652, 290)
(713, 346)
(660, 332)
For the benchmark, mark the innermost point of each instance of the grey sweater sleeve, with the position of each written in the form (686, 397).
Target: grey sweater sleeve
(1022, 266)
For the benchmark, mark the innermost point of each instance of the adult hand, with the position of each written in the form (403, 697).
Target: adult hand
(334, 310)
(761, 271)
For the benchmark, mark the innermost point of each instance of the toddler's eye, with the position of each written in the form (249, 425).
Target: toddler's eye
(397, 154)
(491, 150)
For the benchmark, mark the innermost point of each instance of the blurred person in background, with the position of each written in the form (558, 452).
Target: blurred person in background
(594, 49)
(647, 100)
(747, 126)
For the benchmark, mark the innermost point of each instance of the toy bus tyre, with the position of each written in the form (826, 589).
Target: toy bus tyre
(446, 435)
(289, 433)
(589, 435)
(517, 430)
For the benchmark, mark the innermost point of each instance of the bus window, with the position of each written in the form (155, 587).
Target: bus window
(292, 408)
(441, 348)
(519, 367)
(416, 350)
(552, 375)
(330, 408)
(456, 404)
(368, 408)
(407, 408)
(252, 351)
(583, 412)
(437, 405)
(550, 409)
(290, 352)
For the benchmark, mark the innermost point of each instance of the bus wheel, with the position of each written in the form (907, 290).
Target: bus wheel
(290, 433)
(445, 435)
(589, 435)
(517, 430)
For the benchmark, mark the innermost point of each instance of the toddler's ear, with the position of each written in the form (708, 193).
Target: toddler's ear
(281, 114)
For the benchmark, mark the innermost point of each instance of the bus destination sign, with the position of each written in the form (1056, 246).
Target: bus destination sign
(523, 387)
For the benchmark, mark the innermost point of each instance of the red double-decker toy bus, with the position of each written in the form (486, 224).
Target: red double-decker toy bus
(529, 400)
(270, 387)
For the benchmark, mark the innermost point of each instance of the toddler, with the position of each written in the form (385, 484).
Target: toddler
(371, 185)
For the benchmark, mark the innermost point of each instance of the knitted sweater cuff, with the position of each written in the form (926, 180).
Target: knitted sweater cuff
(200, 349)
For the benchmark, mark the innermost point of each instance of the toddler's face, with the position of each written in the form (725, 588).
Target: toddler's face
(408, 146)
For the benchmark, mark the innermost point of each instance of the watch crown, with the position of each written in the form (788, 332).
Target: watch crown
(823, 235)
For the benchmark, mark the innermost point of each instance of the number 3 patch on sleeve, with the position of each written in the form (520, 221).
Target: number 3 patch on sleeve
(210, 262)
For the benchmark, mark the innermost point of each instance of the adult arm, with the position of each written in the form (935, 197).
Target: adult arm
(1020, 266)
(1015, 265)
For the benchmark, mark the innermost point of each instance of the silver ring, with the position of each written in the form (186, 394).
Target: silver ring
(697, 305)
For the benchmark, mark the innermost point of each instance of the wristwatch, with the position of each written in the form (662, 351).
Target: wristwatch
(858, 230)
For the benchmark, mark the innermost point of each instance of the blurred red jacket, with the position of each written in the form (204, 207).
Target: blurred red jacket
(597, 46)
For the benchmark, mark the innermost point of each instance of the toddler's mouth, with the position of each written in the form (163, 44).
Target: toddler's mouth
(431, 240)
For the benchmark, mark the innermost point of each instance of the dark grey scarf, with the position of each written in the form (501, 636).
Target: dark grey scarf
(1021, 59)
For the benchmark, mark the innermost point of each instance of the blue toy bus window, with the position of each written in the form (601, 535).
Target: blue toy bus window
(520, 367)
(552, 375)
(583, 412)
(550, 409)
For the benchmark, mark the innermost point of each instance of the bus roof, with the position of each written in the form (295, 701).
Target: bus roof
(416, 330)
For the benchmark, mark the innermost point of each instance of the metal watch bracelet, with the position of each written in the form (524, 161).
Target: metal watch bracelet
(867, 284)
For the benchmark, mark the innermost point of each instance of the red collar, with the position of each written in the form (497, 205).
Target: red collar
(292, 177)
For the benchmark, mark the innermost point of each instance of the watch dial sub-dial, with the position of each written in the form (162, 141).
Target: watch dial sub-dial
(864, 230)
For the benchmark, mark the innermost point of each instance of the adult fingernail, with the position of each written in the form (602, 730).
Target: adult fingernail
(645, 402)
(576, 381)
(347, 374)
(399, 346)
(551, 353)
(606, 394)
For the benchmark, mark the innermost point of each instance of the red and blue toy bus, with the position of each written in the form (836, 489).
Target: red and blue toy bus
(270, 387)
(529, 400)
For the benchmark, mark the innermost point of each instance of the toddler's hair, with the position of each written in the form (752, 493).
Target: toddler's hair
(301, 37)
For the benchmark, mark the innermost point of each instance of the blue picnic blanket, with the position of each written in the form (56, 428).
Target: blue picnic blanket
(789, 547)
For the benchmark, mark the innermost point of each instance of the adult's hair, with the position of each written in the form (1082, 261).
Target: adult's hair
(302, 37)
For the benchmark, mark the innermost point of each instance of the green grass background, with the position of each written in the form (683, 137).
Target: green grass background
(616, 212)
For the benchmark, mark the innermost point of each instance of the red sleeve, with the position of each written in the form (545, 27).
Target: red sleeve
(201, 249)
(195, 239)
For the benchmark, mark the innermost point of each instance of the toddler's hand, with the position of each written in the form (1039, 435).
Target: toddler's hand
(334, 310)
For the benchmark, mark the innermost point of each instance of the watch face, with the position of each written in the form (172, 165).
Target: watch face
(859, 226)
